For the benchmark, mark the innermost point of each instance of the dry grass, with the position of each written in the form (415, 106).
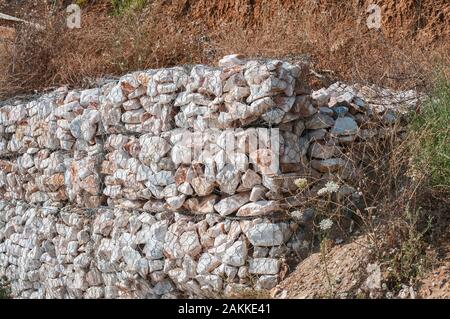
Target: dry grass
(104, 46)
(333, 36)
(402, 178)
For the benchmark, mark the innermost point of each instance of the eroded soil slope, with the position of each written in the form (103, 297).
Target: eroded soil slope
(333, 35)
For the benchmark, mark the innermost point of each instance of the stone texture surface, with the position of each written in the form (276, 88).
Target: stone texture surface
(117, 253)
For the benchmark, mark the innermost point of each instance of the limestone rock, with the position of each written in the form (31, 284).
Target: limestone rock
(231, 204)
(319, 121)
(258, 208)
(236, 255)
(328, 165)
(264, 266)
(267, 234)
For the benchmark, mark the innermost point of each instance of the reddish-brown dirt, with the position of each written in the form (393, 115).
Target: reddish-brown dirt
(422, 21)
(343, 273)
(436, 285)
(340, 273)
(332, 35)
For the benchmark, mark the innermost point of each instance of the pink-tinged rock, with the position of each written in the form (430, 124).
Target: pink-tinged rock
(259, 208)
(88, 97)
(203, 205)
(266, 161)
(303, 106)
(156, 206)
(135, 116)
(207, 263)
(190, 243)
(203, 186)
(257, 193)
(250, 179)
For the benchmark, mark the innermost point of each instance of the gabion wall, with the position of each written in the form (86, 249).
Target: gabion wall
(168, 182)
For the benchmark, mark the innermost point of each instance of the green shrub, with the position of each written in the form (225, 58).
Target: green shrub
(431, 137)
(121, 6)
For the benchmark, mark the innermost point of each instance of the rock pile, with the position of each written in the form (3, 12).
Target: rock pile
(222, 144)
(49, 252)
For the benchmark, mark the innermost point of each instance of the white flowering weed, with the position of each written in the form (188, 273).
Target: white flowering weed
(330, 187)
(325, 224)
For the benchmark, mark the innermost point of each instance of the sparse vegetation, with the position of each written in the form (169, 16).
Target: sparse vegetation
(407, 261)
(121, 6)
(158, 33)
(396, 176)
(431, 130)
(5, 292)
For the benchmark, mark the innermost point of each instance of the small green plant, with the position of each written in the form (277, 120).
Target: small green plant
(408, 261)
(122, 6)
(5, 291)
(432, 143)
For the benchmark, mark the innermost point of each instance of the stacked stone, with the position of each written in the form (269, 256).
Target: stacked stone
(142, 102)
(166, 172)
(9, 186)
(348, 114)
(240, 94)
(31, 163)
(27, 128)
(214, 257)
(137, 170)
(79, 133)
(65, 253)
(43, 177)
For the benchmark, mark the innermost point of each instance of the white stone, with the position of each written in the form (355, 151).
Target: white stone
(190, 243)
(250, 179)
(231, 204)
(257, 193)
(207, 263)
(264, 266)
(267, 234)
(89, 96)
(258, 208)
(236, 255)
(203, 186)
